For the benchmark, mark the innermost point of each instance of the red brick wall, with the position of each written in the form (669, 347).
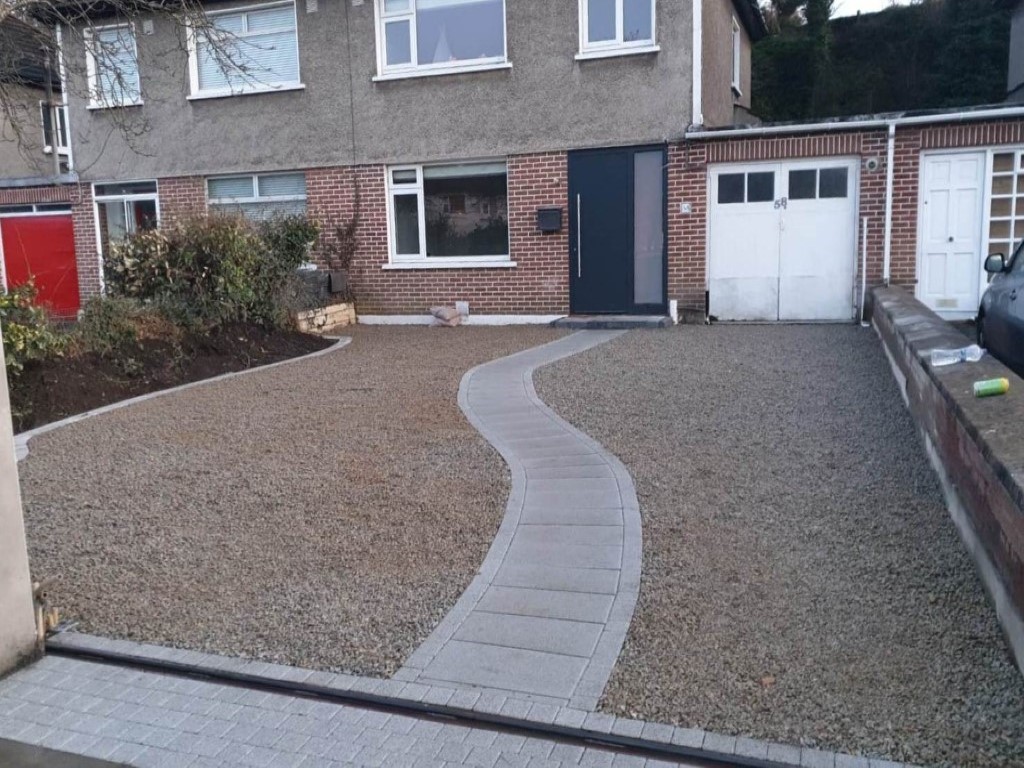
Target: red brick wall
(181, 197)
(687, 236)
(688, 169)
(86, 254)
(538, 284)
(29, 195)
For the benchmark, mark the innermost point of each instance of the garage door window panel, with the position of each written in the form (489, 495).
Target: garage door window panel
(803, 185)
(761, 187)
(833, 183)
(731, 188)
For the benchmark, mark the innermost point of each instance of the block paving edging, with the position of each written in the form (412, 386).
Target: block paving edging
(21, 440)
(484, 706)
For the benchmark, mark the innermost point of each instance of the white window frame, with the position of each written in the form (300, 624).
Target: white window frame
(97, 199)
(617, 47)
(97, 100)
(421, 260)
(192, 36)
(412, 69)
(257, 199)
(58, 118)
(737, 57)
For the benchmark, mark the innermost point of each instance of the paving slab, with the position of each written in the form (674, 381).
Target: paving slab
(569, 638)
(558, 578)
(548, 612)
(574, 606)
(510, 669)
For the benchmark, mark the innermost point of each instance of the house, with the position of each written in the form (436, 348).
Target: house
(36, 233)
(532, 159)
(27, 136)
(449, 123)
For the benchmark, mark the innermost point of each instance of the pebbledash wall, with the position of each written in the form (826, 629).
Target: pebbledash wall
(538, 284)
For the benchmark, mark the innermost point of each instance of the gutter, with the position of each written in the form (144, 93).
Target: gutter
(39, 181)
(831, 126)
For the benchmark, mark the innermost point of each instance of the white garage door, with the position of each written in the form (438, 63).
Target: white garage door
(782, 240)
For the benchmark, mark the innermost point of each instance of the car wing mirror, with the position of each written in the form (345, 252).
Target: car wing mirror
(995, 264)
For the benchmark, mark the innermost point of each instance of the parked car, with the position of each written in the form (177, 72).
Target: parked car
(1001, 315)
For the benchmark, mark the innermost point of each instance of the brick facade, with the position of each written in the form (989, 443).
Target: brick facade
(181, 197)
(539, 283)
(30, 195)
(90, 281)
(688, 173)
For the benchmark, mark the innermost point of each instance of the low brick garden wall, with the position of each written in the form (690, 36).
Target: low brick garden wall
(977, 445)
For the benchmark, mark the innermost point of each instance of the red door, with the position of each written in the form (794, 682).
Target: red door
(42, 248)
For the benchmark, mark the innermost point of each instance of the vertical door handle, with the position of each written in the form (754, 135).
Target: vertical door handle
(579, 239)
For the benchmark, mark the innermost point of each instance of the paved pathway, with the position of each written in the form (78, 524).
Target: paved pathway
(151, 720)
(548, 612)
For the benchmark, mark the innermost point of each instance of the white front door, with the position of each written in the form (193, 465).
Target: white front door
(952, 200)
(782, 240)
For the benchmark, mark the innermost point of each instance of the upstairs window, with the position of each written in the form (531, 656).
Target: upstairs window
(259, 196)
(434, 36)
(613, 27)
(52, 114)
(112, 66)
(245, 51)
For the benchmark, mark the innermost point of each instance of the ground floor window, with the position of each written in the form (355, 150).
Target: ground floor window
(258, 196)
(123, 209)
(449, 212)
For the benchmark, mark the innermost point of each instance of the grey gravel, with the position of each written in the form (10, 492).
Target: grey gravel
(327, 513)
(802, 580)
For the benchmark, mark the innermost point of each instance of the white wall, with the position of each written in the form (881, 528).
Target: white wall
(17, 623)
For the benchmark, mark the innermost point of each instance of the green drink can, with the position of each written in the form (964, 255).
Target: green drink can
(991, 387)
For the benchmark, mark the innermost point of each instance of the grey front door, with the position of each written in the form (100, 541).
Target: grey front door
(617, 231)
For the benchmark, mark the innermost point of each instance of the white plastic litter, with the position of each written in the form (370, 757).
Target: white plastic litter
(971, 354)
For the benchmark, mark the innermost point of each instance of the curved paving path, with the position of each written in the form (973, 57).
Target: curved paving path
(548, 612)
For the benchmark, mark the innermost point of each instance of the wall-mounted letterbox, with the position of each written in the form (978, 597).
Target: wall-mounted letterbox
(549, 220)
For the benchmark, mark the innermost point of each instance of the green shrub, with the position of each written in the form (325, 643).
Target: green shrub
(212, 270)
(27, 331)
(108, 325)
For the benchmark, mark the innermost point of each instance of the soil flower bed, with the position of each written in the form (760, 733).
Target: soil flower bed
(52, 389)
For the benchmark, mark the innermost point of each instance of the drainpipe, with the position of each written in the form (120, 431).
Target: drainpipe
(63, 74)
(890, 173)
(697, 108)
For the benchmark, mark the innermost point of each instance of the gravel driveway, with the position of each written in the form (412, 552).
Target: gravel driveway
(802, 581)
(326, 513)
